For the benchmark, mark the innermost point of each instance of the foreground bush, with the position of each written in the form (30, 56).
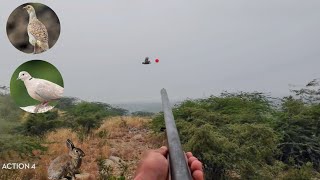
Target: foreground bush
(245, 135)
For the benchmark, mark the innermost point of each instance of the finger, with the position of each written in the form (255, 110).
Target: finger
(197, 175)
(163, 150)
(190, 160)
(196, 165)
(189, 154)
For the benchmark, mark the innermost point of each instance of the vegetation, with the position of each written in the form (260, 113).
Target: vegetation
(248, 136)
(12, 142)
(142, 114)
(106, 171)
(236, 135)
(81, 117)
(85, 116)
(22, 132)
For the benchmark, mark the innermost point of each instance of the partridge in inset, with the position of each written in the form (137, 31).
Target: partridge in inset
(37, 32)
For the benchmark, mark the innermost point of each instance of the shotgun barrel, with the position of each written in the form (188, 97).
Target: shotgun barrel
(179, 169)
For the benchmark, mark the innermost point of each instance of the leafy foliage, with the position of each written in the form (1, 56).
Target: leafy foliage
(299, 126)
(245, 135)
(236, 135)
(10, 140)
(303, 173)
(39, 124)
(23, 145)
(88, 115)
(22, 132)
(142, 113)
(82, 117)
(67, 103)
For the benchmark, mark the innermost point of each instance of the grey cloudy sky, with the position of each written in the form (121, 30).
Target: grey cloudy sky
(204, 47)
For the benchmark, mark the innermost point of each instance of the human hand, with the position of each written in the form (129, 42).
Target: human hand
(154, 165)
(195, 167)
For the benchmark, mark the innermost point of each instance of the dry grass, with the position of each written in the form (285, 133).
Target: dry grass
(120, 126)
(125, 137)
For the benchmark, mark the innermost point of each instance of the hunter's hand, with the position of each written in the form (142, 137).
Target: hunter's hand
(154, 165)
(195, 167)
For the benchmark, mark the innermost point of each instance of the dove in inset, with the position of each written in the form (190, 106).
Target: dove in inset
(40, 89)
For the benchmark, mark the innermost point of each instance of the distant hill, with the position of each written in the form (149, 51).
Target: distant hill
(153, 107)
(147, 107)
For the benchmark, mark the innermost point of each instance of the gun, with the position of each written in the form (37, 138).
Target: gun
(178, 166)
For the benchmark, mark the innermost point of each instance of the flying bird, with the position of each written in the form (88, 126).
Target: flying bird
(146, 61)
(40, 89)
(37, 32)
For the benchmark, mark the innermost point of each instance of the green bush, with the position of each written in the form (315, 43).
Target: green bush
(303, 173)
(39, 124)
(298, 125)
(85, 116)
(247, 135)
(23, 145)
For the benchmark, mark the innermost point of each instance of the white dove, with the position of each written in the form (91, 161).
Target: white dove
(41, 89)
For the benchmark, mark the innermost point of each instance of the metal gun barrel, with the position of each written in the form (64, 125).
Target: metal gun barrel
(178, 166)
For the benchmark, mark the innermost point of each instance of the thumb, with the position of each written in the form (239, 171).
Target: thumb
(163, 150)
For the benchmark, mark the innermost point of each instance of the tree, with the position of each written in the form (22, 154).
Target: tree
(39, 124)
(142, 113)
(299, 127)
(229, 134)
(89, 115)
(67, 103)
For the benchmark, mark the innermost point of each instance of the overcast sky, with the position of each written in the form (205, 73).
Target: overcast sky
(204, 47)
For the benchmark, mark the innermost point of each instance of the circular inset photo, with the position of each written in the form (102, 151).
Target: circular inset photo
(33, 28)
(36, 86)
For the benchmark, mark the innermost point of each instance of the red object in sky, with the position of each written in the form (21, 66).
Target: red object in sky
(157, 60)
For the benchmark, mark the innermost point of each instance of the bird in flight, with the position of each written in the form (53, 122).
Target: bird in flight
(146, 61)
(37, 32)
